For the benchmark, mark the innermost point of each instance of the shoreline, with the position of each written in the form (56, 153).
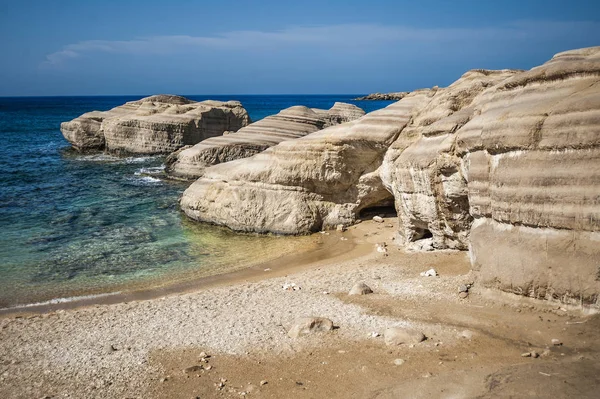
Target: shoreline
(153, 348)
(328, 247)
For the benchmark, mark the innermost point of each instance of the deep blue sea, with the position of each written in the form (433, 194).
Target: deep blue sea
(76, 224)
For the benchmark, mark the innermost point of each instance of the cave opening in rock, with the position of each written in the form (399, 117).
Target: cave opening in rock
(421, 234)
(384, 211)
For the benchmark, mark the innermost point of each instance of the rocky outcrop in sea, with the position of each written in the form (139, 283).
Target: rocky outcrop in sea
(383, 96)
(291, 123)
(503, 163)
(158, 124)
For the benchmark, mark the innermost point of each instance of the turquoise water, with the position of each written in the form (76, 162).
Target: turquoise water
(77, 224)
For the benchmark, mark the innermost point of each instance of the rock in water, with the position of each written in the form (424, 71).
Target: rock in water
(309, 325)
(315, 182)
(360, 289)
(398, 336)
(289, 124)
(154, 125)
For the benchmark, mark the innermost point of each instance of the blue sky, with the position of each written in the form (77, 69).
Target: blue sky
(275, 47)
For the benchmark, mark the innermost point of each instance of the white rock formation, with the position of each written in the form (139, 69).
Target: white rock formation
(154, 125)
(289, 124)
(299, 186)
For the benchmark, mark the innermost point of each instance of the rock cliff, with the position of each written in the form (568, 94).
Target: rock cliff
(154, 125)
(303, 185)
(291, 123)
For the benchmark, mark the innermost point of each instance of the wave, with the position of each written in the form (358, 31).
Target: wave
(155, 170)
(56, 301)
(114, 159)
(145, 180)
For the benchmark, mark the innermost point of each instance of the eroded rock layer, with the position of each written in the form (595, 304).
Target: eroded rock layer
(532, 162)
(154, 125)
(303, 185)
(289, 124)
(423, 172)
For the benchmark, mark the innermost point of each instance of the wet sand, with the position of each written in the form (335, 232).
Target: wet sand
(141, 348)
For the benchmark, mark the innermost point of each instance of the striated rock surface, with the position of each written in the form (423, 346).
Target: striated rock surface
(384, 96)
(300, 186)
(291, 123)
(154, 125)
(423, 172)
(513, 174)
(532, 162)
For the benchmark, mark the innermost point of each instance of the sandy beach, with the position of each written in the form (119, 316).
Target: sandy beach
(147, 348)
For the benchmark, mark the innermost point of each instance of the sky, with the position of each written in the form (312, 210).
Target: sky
(65, 47)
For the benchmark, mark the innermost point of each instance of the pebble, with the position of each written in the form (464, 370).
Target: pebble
(463, 288)
(463, 295)
(429, 273)
(360, 289)
(341, 228)
(264, 382)
(556, 342)
(193, 369)
(378, 219)
(399, 362)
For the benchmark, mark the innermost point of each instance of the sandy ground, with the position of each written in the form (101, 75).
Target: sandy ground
(142, 348)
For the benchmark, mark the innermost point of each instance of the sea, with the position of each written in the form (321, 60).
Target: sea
(77, 225)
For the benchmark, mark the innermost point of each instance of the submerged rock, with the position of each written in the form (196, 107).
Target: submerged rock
(154, 125)
(289, 124)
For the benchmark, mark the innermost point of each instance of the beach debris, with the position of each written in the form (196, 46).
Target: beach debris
(399, 362)
(360, 289)
(429, 273)
(381, 248)
(309, 325)
(378, 219)
(291, 287)
(341, 228)
(110, 348)
(193, 369)
(399, 335)
(556, 342)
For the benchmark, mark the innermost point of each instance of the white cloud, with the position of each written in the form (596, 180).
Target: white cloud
(336, 38)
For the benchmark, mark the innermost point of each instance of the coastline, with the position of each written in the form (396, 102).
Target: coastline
(324, 248)
(142, 347)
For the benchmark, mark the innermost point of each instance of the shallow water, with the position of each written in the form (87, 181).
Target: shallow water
(78, 224)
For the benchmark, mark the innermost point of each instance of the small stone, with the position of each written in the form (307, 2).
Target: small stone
(468, 334)
(429, 273)
(399, 336)
(193, 369)
(203, 355)
(208, 367)
(526, 354)
(463, 288)
(360, 289)
(341, 228)
(463, 295)
(535, 355)
(556, 342)
(378, 219)
(399, 362)
(264, 382)
(309, 325)
(111, 348)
